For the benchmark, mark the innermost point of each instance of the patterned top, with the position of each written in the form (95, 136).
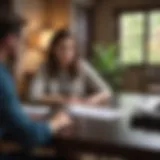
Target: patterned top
(87, 81)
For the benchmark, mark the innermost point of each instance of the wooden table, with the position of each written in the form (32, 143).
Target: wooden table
(116, 138)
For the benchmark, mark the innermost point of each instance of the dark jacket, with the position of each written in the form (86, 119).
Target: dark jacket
(14, 121)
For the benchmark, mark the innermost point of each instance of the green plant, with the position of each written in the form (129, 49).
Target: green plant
(106, 62)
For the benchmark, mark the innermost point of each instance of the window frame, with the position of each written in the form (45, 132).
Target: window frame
(145, 53)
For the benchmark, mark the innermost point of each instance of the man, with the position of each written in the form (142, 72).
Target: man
(13, 120)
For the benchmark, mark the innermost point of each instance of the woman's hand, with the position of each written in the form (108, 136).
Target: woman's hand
(96, 99)
(99, 98)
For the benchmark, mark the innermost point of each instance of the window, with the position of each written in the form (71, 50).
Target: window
(140, 37)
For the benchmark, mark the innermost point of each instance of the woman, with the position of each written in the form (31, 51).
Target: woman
(66, 78)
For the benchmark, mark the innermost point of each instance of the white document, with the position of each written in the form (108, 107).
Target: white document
(96, 113)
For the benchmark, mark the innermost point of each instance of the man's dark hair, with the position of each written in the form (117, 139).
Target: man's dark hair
(10, 24)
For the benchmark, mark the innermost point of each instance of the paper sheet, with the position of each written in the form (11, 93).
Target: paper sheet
(96, 113)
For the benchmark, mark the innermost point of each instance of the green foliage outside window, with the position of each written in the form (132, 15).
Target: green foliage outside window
(106, 62)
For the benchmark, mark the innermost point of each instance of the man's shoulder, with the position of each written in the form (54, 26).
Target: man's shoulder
(5, 81)
(3, 74)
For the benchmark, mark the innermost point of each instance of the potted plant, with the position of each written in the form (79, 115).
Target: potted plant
(106, 62)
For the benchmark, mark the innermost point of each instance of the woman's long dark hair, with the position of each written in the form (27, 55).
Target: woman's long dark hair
(52, 63)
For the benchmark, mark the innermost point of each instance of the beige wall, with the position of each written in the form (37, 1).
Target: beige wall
(41, 16)
(31, 10)
(55, 13)
(105, 23)
(58, 13)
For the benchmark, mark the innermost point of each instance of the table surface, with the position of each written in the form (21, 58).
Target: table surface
(117, 137)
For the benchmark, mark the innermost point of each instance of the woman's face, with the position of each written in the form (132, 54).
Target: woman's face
(65, 51)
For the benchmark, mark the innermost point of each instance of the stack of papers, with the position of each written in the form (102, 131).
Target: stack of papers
(96, 113)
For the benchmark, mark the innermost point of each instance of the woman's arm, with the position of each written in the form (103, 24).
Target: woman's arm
(102, 92)
(98, 98)
(52, 98)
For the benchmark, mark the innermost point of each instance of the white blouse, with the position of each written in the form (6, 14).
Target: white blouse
(65, 85)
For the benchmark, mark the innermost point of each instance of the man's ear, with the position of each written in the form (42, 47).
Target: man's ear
(9, 38)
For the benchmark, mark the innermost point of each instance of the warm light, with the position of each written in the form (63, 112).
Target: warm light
(45, 37)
